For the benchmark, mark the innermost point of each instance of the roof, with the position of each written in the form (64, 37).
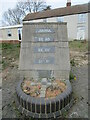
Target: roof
(14, 26)
(70, 10)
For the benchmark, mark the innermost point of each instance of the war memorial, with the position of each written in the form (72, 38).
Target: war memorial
(44, 90)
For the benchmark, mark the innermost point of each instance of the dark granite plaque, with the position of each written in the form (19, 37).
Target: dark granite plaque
(50, 49)
(44, 30)
(44, 73)
(44, 39)
(47, 60)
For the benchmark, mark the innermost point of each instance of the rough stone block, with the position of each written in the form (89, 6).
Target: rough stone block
(36, 115)
(57, 114)
(31, 114)
(43, 116)
(50, 115)
(37, 108)
(33, 107)
(20, 108)
(61, 104)
(47, 108)
(24, 104)
(21, 101)
(57, 105)
(29, 106)
(42, 108)
(53, 106)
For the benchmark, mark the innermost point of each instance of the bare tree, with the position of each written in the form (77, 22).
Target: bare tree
(47, 8)
(38, 5)
(15, 16)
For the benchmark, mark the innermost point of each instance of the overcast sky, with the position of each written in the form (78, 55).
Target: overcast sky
(5, 4)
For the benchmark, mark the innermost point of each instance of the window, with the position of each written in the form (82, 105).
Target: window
(60, 19)
(9, 33)
(44, 20)
(81, 33)
(20, 33)
(81, 28)
(82, 18)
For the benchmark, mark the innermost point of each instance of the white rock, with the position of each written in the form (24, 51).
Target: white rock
(32, 84)
(44, 81)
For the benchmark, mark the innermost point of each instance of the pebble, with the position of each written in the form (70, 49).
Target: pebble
(32, 84)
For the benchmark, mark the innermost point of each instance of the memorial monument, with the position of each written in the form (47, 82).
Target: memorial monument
(45, 89)
(44, 51)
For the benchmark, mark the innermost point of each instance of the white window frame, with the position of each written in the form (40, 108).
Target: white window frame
(80, 31)
(20, 31)
(9, 33)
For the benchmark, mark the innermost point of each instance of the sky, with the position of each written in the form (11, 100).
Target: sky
(6, 4)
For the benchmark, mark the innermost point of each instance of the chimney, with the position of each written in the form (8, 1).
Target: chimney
(68, 3)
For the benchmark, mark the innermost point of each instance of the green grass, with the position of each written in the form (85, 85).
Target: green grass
(81, 46)
(71, 76)
(10, 53)
(0, 46)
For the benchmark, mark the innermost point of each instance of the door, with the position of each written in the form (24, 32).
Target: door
(81, 33)
(20, 34)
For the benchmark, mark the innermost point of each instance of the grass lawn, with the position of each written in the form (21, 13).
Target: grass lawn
(81, 46)
(10, 52)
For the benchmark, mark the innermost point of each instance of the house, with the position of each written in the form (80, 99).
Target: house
(77, 23)
(11, 33)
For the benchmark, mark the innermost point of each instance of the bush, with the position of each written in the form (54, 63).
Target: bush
(72, 62)
(71, 76)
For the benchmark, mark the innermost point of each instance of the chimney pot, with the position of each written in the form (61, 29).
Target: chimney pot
(68, 3)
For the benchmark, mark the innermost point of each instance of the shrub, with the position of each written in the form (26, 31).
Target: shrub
(72, 62)
(71, 76)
